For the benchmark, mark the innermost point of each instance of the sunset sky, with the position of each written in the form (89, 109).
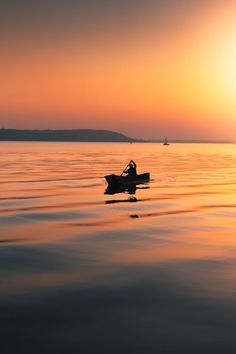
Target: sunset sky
(146, 68)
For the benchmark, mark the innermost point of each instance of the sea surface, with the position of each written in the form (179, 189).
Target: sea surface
(147, 270)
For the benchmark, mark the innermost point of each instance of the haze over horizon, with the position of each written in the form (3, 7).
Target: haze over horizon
(147, 69)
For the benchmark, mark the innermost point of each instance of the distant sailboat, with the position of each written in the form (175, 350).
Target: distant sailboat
(166, 142)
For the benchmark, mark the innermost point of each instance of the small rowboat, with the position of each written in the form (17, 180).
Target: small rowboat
(114, 179)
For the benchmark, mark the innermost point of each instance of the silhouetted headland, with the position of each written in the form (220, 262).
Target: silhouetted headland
(86, 135)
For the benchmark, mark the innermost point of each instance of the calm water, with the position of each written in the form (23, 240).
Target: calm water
(87, 272)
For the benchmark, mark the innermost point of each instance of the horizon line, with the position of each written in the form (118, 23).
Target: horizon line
(141, 140)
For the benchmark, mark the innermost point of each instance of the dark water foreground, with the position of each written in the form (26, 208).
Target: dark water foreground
(86, 272)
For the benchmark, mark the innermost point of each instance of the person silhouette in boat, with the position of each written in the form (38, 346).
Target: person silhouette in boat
(132, 169)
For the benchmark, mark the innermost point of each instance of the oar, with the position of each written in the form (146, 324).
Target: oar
(125, 168)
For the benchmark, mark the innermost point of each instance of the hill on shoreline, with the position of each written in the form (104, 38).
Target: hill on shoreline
(85, 135)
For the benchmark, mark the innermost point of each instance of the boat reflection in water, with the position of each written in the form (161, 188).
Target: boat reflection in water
(124, 188)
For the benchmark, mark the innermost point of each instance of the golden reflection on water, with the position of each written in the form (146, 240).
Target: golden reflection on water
(157, 267)
(54, 193)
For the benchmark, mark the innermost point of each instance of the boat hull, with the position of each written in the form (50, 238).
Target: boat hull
(116, 180)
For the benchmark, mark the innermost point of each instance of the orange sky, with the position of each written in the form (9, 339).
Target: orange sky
(147, 71)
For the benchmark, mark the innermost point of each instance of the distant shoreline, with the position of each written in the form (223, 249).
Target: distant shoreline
(65, 135)
(86, 135)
